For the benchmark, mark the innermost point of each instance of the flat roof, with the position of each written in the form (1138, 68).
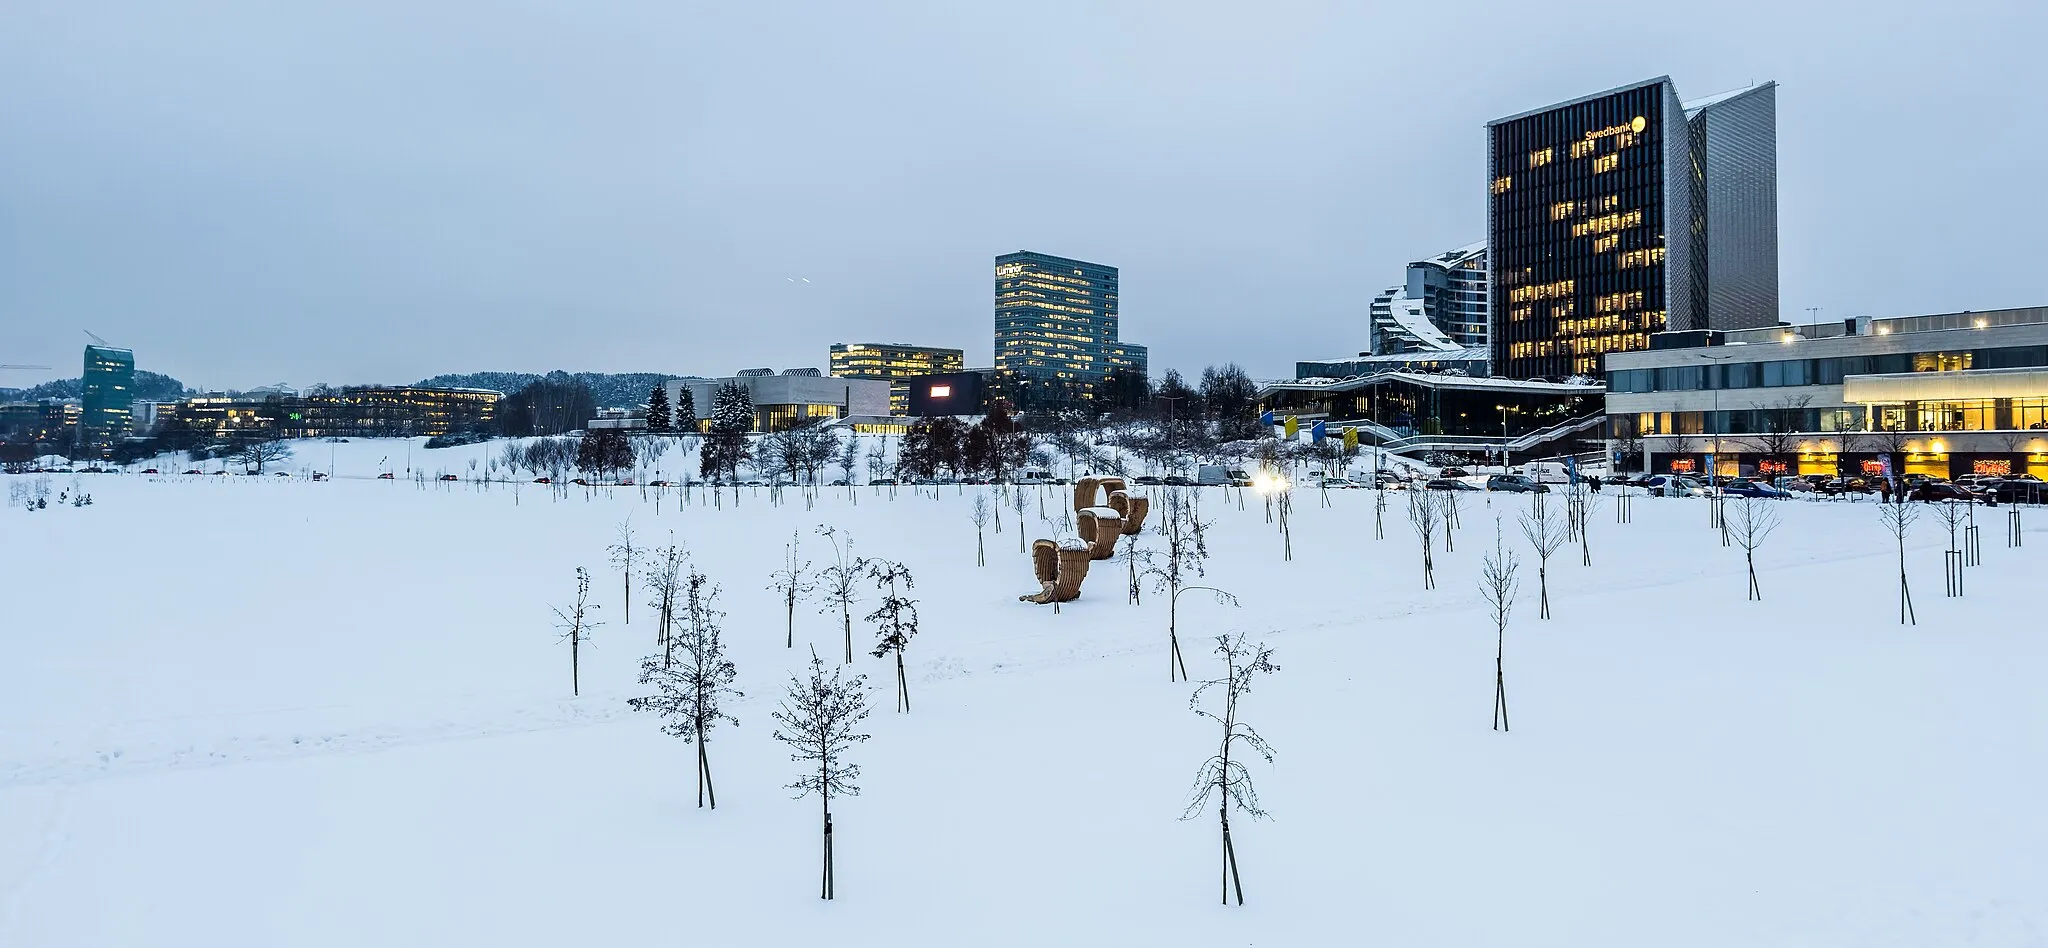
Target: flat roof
(1476, 383)
(1665, 80)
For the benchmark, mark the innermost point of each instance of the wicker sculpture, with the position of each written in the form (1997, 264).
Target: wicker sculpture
(1060, 567)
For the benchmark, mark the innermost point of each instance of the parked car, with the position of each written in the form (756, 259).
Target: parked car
(1516, 484)
(1453, 472)
(839, 482)
(543, 480)
(1146, 480)
(150, 470)
(447, 477)
(1745, 487)
(387, 476)
(673, 483)
(1676, 485)
(319, 475)
(1338, 483)
(193, 471)
(890, 482)
(1931, 490)
(1449, 483)
(2019, 489)
(282, 473)
(1175, 480)
(1846, 485)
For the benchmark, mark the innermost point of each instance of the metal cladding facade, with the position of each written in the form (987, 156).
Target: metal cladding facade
(1622, 214)
(1735, 249)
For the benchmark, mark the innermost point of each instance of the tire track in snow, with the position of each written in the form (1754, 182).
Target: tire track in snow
(110, 753)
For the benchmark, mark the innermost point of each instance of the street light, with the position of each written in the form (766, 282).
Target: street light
(1503, 438)
(1715, 458)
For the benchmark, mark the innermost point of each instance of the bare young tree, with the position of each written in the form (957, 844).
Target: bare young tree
(1497, 586)
(1423, 515)
(688, 694)
(1753, 522)
(622, 553)
(1185, 554)
(841, 580)
(1137, 561)
(1018, 503)
(818, 717)
(663, 578)
(1898, 521)
(794, 582)
(577, 624)
(895, 619)
(978, 513)
(1226, 779)
(1546, 532)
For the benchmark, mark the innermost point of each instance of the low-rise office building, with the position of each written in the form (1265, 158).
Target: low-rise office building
(357, 411)
(896, 362)
(1946, 395)
(790, 397)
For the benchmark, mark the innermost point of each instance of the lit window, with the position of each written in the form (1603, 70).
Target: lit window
(942, 391)
(1606, 163)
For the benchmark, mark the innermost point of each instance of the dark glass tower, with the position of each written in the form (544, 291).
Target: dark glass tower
(108, 399)
(1599, 219)
(1056, 328)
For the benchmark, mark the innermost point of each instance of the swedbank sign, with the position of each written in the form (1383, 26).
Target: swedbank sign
(1635, 125)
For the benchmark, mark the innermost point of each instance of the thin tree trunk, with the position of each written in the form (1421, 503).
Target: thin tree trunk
(575, 666)
(1500, 682)
(789, 630)
(846, 619)
(902, 683)
(704, 772)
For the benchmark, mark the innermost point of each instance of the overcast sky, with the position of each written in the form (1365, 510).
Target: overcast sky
(256, 192)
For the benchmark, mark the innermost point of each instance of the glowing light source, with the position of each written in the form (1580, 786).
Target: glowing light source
(942, 391)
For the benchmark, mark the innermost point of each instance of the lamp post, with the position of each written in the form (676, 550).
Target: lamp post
(1716, 456)
(1503, 438)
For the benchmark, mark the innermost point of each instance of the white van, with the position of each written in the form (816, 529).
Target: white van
(1216, 475)
(1033, 476)
(1547, 472)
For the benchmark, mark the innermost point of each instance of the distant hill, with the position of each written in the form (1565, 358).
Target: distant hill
(149, 386)
(611, 389)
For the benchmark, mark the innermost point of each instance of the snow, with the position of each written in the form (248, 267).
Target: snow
(337, 714)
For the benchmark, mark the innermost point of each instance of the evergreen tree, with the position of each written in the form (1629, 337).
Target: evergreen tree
(684, 414)
(659, 420)
(732, 417)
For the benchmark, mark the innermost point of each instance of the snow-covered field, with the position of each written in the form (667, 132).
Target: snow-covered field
(268, 712)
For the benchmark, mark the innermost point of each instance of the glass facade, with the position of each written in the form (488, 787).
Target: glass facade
(896, 362)
(1779, 373)
(108, 396)
(1056, 328)
(1622, 214)
(1441, 306)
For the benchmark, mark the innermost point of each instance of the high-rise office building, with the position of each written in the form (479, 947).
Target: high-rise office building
(107, 400)
(1624, 213)
(1056, 329)
(1440, 306)
(894, 361)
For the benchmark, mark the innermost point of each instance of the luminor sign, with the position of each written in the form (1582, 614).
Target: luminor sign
(1634, 125)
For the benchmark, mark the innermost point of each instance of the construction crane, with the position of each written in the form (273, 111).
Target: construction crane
(96, 340)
